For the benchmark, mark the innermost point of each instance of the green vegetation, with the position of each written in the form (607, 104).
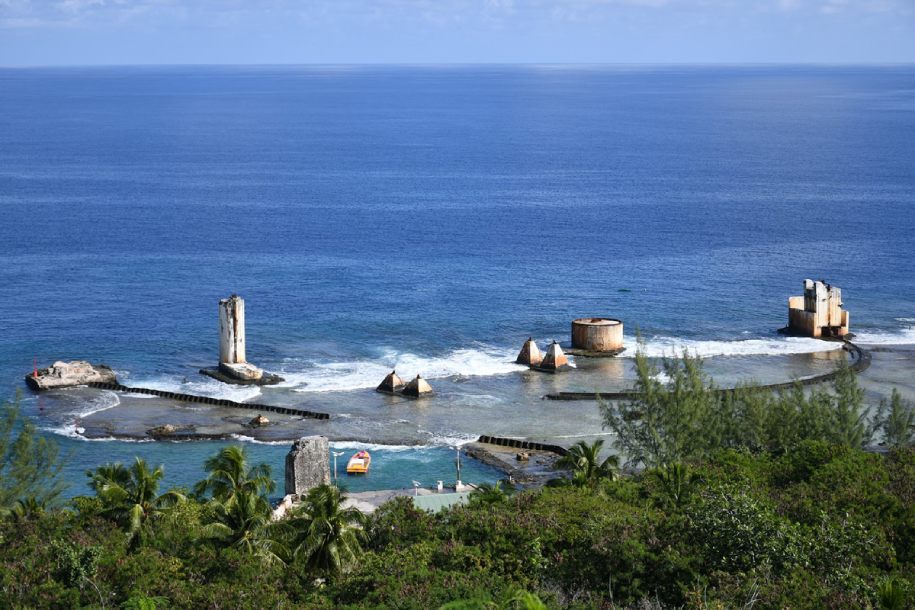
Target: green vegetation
(29, 465)
(689, 417)
(734, 509)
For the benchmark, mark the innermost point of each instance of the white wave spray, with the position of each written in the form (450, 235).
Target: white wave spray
(360, 374)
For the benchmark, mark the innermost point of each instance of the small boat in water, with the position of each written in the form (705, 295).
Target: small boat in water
(359, 463)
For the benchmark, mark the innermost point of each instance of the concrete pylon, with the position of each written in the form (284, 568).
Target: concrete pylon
(233, 365)
(307, 464)
(530, 354)
(555, 359)
(417, 387)
(391, 383)
(232, 330)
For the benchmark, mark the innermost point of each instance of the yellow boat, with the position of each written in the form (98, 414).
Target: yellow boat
(359, 463)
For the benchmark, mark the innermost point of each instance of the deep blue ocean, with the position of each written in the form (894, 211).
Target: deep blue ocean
(380, 215)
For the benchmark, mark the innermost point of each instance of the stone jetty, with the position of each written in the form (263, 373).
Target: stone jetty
(68, 374)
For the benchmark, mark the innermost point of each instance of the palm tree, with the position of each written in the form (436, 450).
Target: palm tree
(584, 462)
(230, 474)
(326, 536)
(130, 495)
(244, 522)
(29, 508)
(487, 493)
(677, 483)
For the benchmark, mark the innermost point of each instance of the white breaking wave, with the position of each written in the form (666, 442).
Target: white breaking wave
(200, 387)
(657, 347)
(72, 429)
(360, 374)
(904, 336)
(249, 439)
(437, 442)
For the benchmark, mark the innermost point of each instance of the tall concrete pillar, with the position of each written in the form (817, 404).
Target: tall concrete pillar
(232, 330)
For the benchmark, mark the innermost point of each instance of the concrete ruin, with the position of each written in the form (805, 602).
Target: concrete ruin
(553, 361)
(307, 465)
(818, 312)
(391, 384)
(597, 337)
(69, 374)
(417, 387)
(530, 354)
(233, 365)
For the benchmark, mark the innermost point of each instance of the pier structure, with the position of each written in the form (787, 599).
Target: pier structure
(818, 312)
(233, 364)
(597, 337)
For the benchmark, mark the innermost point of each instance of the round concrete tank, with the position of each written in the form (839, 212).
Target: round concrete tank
(597, 334)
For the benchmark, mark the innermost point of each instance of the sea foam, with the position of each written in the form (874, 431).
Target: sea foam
(360, 374)
(659, 346)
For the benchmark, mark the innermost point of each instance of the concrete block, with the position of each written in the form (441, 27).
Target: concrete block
(307, 464)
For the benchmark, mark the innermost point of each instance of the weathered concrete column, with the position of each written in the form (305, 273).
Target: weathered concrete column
(232, 330)
(307, 464)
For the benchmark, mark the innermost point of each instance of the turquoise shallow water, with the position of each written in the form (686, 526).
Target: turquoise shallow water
(432, 219)
(392, 468)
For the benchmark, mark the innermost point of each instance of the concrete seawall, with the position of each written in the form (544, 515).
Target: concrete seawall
(860, 360)
(216, 402)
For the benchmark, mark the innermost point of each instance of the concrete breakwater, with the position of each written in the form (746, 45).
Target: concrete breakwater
(859, 361)
(216, 402)
(522, 444)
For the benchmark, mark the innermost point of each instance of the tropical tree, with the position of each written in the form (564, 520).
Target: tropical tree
(241, 512)
(26, 509)
(676, 482)
(488, 493)
(131, 495)
(512, 600)
(666, 422)
(244, 522)
(230, 474)
(850, 425)
(585, 463)
(897, 421)
(325, 536)
(29, 464)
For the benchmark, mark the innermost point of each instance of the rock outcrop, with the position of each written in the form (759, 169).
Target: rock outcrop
(307, 464)
(258, 421)
(68, 374)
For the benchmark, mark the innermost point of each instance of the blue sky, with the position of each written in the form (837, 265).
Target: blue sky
(77, 32)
